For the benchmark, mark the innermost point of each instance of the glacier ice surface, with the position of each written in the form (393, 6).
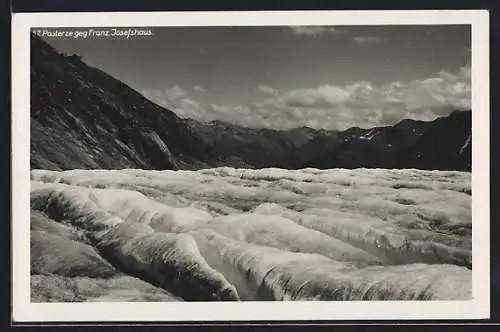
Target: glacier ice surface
(251, 235)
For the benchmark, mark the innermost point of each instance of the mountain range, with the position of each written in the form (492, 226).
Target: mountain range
(83, 118)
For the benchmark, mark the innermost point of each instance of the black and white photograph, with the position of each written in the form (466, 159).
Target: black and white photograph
(252, 163)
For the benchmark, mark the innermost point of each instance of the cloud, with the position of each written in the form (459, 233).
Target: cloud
(361, 104)
(198, 88)
(177, 99)
(267, 89)
(369, 40)
(313, 30)
(175, 93)
(320, 96)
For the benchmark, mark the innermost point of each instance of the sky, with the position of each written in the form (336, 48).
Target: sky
(283, 77)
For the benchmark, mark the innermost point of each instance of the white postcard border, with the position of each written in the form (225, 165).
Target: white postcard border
(24, 311)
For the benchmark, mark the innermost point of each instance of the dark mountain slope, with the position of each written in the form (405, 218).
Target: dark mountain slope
(83, 118)
(253, 148)
(408, 144)
(446, 144)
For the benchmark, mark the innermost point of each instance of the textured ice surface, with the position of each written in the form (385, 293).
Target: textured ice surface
(56, 288)
(240, 234)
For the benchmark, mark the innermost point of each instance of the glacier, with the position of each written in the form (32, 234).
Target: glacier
(227, 234)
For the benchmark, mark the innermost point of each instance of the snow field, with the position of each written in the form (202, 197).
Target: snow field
(268, 234)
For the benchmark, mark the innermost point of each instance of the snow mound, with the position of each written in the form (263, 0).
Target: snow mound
(102, 208)
(40, 222)
(271, 274)
(279, 232)
(171, 261)
(373, 235)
